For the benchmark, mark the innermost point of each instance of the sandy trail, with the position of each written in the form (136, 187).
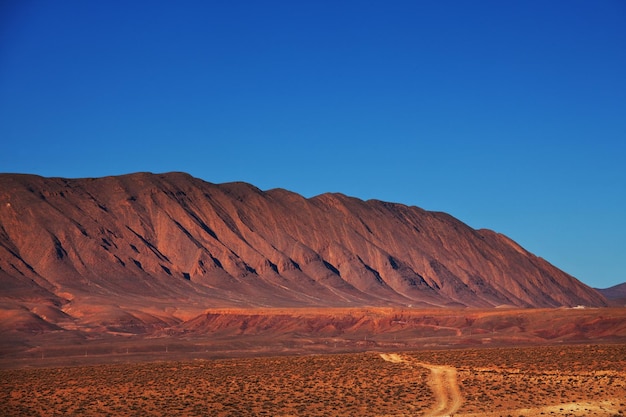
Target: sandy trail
(442, 381)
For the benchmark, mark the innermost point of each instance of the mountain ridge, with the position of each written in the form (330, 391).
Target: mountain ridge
(235, 245)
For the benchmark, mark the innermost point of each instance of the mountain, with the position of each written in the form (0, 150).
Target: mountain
(68, 246)
(616, 295)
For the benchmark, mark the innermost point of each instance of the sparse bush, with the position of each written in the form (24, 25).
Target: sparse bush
(350, 384)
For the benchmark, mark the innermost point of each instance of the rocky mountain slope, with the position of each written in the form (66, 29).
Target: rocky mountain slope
(146, 241)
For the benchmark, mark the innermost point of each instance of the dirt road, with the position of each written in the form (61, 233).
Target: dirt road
(442, 381)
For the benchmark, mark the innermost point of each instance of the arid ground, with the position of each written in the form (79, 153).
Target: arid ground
(325, 362)
(567, 380)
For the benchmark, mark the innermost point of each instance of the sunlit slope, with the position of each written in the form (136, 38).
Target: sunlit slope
(161, 238)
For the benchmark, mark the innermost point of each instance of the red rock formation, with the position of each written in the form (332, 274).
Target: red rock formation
(172, 241)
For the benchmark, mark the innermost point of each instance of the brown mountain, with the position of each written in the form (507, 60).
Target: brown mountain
(616, 295)
(174, 240)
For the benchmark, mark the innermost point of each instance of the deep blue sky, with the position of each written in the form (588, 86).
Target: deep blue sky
(509, 115)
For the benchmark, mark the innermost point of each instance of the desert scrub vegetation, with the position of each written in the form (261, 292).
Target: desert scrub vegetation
(353, 384)
(359, 384)
(524, 377)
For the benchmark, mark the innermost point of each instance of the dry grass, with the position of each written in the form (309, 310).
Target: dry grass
(517, 381)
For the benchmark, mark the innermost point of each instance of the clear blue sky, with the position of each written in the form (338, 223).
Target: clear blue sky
(509, 115)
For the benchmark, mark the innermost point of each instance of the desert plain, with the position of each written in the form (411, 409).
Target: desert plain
(343, 362)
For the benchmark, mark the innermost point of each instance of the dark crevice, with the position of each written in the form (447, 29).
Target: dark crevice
(58, 247)
(150, 246)
(187, 233)
(179, 196)
(217, 262)
(329, 266)
(13, 251)
(374, 272)
(203, 225)
(393, 262)
(17, 270)
(296, 265)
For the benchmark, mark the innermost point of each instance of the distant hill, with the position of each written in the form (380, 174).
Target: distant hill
(147, 249)
(615, 294)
